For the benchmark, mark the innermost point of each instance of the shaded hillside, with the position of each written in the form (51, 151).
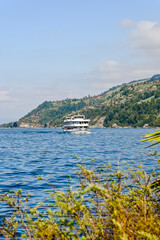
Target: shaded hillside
(133, 104)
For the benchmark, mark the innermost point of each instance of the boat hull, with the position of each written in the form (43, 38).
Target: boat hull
(77, 131)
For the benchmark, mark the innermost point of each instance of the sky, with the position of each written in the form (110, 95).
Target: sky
(57, 49)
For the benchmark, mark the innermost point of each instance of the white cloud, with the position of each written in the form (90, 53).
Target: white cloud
(112, 73)
(9, 99)
(4, 95)
(144, 61)
(145, 38)
(127, 23)
(108, 66)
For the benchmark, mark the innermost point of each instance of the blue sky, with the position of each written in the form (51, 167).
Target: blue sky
(54, 49)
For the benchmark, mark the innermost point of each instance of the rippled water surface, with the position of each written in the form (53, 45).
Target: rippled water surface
(26, 153)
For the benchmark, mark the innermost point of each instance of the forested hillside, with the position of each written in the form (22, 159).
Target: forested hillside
(129, 105)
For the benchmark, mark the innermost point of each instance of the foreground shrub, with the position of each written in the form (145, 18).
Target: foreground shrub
(108, 204)
(155, 139)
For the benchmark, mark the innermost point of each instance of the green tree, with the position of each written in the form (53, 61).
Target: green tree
(15, 124)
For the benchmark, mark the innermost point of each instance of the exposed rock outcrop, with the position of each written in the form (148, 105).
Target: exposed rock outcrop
(99, 123)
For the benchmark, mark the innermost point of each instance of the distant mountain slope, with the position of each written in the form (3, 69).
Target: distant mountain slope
(128, 105)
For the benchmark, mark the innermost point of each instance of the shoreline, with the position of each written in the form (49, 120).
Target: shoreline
(91, 127)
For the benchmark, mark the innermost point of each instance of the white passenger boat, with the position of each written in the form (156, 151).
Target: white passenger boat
(76, 124)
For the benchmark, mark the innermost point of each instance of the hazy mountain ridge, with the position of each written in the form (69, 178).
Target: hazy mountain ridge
(134, 104)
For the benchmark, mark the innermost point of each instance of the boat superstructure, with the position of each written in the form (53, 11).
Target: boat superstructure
(76, 124)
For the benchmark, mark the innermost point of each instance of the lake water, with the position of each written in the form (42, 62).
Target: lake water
(26, 153)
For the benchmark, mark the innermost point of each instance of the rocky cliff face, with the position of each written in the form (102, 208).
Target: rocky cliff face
(99, 123)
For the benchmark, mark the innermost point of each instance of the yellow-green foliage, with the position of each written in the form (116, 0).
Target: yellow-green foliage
(107, 205)
(155, 138)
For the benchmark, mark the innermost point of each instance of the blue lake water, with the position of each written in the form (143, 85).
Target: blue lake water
(26, 153)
